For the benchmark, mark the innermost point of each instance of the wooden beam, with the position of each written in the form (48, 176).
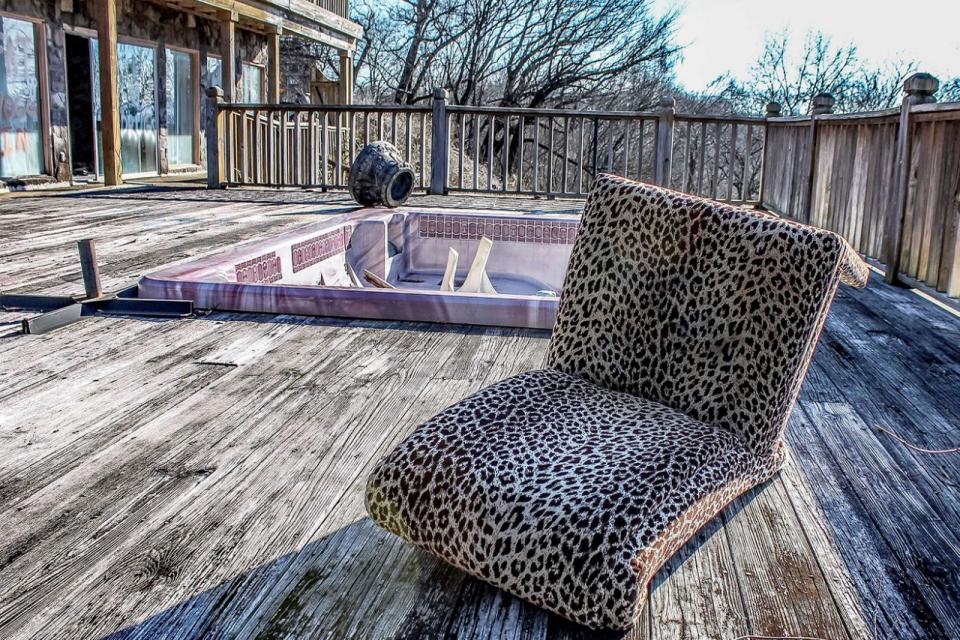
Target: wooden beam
(106, 11)
(273, 65)
(346, 78)
(228, 53)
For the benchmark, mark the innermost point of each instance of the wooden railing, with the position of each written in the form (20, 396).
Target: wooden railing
(544, 152)
(888, 181)
(556, 152)
(339, 7)
(313, 146)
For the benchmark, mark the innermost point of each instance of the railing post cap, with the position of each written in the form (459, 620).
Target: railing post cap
(921, 84)
(214, 92)
(822, 103)
(773, 109)
(668, 102)
(439, 93)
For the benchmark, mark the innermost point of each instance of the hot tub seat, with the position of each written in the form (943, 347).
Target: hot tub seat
(560, 491)
(684, 332)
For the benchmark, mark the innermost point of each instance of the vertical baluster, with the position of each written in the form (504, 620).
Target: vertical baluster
(423, 149)
(641, 127)
(352, 147)
(732, 171)
(324, 150)
(594, 145)
(491, 122)
(703, 156)
(610, 145)
(244, 146)
(550, 156)
(271, 150)
(520, 143)
(536, 154)
(506, 152)
(366, 127)
(338, 178)
(296, 149)
(382, 123)
(580, 160)
(715, 186)
(255, 153)
(312, 148)
(566, 154)
(409, 137)
(626, 148)
(282, 153)
(476, 151)
(745, 179)
(393, 128)
(686, 158)
(463, 144)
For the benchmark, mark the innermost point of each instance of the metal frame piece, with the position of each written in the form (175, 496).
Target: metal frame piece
(60, 311)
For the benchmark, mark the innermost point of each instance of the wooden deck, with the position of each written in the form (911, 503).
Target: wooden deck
(204, 477)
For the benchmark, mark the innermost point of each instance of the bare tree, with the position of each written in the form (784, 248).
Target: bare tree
(950, 90)
(518, 53)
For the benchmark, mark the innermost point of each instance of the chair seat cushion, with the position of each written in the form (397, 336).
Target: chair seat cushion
(561, 492)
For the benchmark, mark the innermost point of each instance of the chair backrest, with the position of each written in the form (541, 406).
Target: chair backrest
(710, 309)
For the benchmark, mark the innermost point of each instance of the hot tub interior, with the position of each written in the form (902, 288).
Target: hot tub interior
(508, 268)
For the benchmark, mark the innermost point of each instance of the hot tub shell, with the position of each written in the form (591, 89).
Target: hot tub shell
(307, 271)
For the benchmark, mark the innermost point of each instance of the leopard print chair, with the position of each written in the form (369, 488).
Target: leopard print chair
(685, 330)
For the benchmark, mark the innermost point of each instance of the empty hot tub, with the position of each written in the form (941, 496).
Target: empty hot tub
(388, 264)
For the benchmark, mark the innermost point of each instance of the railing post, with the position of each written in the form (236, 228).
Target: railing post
(820, 104)
(663, 156)
(440, 144)
(211, 128)
(919, 89)
(772, 111)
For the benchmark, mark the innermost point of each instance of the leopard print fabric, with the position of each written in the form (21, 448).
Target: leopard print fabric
(571, 486)
(710, 309)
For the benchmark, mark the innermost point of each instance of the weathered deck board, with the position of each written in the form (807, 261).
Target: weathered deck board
(204, 477)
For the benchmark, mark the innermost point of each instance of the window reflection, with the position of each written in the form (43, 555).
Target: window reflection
(214, 72)
(180, 106)
(252, 83)
(20, 140)
(138, 108)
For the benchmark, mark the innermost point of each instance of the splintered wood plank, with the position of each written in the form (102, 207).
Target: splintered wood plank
(893, 607)
(697, 593)
(818, 532)
(783, 588)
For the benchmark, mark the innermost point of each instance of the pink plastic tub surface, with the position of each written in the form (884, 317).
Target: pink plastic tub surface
(307, 271)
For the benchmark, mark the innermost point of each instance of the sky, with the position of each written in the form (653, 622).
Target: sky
(726, 35)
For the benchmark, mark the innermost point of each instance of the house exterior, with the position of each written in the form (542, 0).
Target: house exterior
(103, 89)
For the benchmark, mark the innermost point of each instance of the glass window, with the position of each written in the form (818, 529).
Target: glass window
(214, 72)
(252, 83)
(180, 107)
(21, 151)
(138, 107)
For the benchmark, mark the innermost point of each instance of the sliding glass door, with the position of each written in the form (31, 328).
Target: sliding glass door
(138, 107)
(137, 65)
(21, 147)
(180, 107)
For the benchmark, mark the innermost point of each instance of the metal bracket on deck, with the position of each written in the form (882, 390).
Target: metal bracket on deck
(59, 311)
